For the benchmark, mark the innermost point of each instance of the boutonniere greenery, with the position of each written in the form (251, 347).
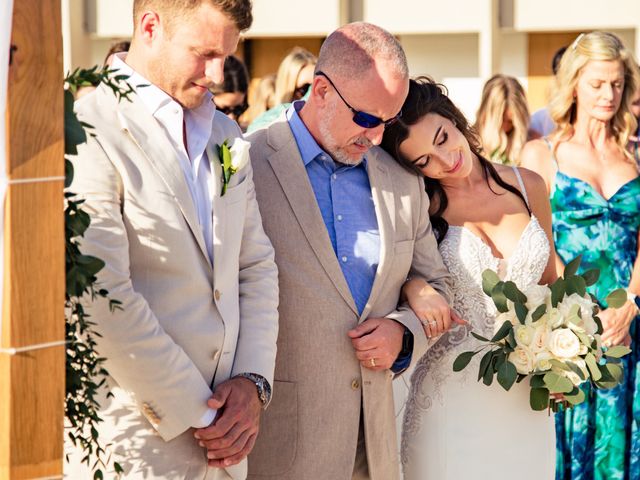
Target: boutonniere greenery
(232, 158)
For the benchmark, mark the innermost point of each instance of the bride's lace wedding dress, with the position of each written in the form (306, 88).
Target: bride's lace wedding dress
(457, 428)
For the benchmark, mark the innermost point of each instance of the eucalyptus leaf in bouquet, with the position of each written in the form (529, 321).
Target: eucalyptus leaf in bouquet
(549, 334)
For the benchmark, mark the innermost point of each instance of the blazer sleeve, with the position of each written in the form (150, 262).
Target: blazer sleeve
(258, 292)
(142, 358)
(428, 265)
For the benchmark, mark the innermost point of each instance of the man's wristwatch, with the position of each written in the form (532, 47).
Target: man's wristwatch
(407, 343)
(262, 385)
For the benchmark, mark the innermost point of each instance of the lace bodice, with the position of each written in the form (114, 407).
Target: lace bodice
(467, 256)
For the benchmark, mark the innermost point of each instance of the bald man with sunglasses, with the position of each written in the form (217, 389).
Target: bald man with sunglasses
(349, 226)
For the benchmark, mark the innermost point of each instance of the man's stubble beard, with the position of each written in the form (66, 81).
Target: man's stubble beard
(330, 144)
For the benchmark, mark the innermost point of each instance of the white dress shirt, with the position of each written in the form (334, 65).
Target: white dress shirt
(193, 159)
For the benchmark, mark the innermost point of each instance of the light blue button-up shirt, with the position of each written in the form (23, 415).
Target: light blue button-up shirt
(344, 196)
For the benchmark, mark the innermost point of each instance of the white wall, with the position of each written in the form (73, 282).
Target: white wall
(422, 16)
(300, 18)
(541, 15)
(451, 60)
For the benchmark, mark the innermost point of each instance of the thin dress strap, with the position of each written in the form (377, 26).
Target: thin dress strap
(521, 183)
(553, 156)
(555, 161)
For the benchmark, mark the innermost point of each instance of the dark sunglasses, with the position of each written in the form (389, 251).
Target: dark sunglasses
(300, 91)
(363, 119)
(236, 110)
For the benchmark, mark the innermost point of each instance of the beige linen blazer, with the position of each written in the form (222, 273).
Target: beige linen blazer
(310, 430)
(186, 325)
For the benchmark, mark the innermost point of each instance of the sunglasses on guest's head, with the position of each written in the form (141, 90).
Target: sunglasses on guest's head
(300, 91)
(236, 110)
(363, 119)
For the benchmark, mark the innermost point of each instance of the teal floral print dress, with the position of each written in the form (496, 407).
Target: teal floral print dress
(599, 439)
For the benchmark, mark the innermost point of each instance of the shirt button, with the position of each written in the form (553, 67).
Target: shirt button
(216, 354)
(339, 218)
(355, 384)
(334, 176)
(344, 259)
(217, 295)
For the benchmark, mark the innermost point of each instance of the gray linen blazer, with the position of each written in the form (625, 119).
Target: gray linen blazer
(310, 430)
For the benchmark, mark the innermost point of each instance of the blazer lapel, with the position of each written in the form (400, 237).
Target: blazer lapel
(384, 202)
(142, 128)
(292, 176)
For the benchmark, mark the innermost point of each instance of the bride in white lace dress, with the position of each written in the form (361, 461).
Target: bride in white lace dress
(485, 216)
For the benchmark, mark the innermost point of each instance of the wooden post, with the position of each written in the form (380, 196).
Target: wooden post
(32, 382)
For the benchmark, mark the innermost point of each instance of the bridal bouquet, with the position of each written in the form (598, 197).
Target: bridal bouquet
(550, 334)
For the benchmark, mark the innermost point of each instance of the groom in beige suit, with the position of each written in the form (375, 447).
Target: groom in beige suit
(348, 225)
(191, 355)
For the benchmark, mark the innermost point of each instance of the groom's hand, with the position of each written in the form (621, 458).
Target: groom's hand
(377, 342)
(232, 435)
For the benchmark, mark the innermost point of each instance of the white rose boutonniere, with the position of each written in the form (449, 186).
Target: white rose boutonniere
(232, 159)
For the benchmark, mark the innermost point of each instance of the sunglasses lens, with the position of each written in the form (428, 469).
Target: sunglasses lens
(365, 120)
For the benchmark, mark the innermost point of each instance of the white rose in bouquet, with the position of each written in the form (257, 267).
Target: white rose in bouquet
(554, 318)
(509, 316)
(523, 359)
(539, 341)
(563, 343)
(524, 335)
(586, 306)
(537, 295)
(542, 362)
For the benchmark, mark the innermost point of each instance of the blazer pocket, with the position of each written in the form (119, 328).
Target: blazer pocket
(236, 193)
(276, 446)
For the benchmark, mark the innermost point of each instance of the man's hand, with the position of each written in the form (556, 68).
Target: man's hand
(377, 342)
(232, 435)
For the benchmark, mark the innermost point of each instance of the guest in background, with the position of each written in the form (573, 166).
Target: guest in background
(634, 140)
(295, 75)
(594, 189)
(541, 123)
(293, 79)
(117, 47)
(502, 120)
(230, 96)
(261, 98)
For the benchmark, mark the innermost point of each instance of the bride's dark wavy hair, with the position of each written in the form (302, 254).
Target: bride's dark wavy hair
(426, 96)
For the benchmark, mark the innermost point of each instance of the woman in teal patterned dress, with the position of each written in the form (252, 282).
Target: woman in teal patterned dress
(594, 189)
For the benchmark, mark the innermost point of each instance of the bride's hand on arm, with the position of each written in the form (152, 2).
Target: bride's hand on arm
(430, 307)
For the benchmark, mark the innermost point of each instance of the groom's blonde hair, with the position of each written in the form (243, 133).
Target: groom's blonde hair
(174, 10)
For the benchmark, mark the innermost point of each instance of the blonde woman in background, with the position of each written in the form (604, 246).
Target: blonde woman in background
(293, 79)
(261, 98)
(295, 75)
(502, 120)
(594, 187)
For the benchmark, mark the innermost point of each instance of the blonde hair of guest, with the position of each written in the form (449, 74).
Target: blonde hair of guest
(288, 73)
(503, 95)
(261, 98)
(594, 46)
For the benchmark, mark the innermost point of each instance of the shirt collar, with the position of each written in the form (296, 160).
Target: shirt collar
(198, 120)
(309, 148)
